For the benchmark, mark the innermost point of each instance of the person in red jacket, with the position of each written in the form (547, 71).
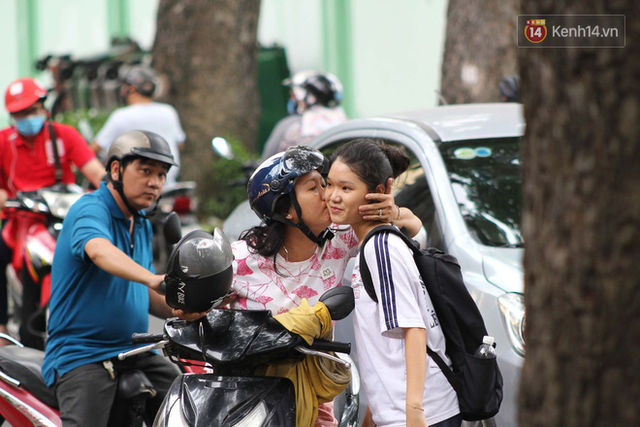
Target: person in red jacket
(28, 159)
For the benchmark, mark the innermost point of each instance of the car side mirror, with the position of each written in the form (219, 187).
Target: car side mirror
(339, 301)
(222, 148)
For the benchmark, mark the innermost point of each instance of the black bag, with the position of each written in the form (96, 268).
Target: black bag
(477, 382)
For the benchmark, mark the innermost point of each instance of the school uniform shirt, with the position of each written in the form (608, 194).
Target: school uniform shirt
(403, 303)
(258, 286)
(28, 166)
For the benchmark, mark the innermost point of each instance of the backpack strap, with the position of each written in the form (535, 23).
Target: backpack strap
(365, 273)
(56, 156)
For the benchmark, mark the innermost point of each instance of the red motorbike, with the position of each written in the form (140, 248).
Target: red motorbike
(34, 222)
(25, 400)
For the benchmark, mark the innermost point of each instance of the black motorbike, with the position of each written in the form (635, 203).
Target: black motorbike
(232, 344)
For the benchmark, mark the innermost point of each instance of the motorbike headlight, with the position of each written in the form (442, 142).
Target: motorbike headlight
(59, 204)
(513, 316)
(255, 418)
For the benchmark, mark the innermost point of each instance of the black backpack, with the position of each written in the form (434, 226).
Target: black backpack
(477, 382)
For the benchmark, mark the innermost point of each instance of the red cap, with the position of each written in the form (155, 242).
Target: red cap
(23, 93)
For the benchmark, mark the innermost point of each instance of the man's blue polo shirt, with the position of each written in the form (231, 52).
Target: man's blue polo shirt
(93, 313)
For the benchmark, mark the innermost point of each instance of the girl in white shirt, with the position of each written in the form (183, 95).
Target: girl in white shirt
(402, 384)
(291, 255)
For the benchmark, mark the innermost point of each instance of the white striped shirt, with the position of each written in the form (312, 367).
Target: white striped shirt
(378, 329)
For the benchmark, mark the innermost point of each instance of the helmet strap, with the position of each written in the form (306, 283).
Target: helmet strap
(119, 187)
(320, 239)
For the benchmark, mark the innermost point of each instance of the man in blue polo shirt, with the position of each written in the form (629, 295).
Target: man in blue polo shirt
(103, 286)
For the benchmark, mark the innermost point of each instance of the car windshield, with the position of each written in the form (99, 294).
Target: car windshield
(486, 179)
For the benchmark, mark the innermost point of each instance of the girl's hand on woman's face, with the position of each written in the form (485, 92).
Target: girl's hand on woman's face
(382, 207)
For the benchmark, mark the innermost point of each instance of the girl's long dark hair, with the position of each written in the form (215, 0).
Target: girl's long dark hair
(266, 240)
(373, 161)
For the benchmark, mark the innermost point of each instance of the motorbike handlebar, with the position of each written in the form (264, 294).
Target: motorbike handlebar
(324, 345)
(147, 338)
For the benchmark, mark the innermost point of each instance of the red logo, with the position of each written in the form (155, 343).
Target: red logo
(535, 31)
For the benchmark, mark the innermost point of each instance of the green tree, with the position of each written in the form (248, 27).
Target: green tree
(582, 228)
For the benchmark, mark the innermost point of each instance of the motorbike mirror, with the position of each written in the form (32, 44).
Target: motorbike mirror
(222, 148)
(171, 228)
(339, 301)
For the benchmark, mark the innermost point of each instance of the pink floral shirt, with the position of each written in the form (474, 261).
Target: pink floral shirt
(257, 286)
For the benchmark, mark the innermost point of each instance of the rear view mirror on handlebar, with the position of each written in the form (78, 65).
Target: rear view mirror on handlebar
(171, 228)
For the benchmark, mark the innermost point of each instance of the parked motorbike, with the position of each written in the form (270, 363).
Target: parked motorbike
(35, 220)
(25, 400)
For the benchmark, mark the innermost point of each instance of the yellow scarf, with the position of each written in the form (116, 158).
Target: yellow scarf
(316, 379)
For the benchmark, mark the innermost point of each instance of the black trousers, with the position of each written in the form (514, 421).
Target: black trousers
(86, 394)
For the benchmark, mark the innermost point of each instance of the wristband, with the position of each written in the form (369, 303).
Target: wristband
(398, 217)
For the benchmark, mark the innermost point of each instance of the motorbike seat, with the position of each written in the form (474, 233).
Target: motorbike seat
(24, 364)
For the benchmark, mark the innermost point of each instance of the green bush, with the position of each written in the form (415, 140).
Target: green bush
(228, 187)
(87, 121)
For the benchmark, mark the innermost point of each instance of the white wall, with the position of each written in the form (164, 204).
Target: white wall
(75, 27)
(142, 21)
(8, 52)
(397, 54)
(296, 25)
(396, 50)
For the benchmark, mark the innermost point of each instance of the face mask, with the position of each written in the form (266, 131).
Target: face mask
(292, 106)
(31, 125)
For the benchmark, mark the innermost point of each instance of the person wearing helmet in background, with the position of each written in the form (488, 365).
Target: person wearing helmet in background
(142, 113)
(314, 106)
(510, 88)
(294, 254)
(103, 286)
(28, 160)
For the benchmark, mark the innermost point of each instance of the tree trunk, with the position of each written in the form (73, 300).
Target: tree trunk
(582, 228)
(480, 49)
(206, 52)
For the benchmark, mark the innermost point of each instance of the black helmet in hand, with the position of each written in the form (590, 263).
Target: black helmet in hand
(200, 271)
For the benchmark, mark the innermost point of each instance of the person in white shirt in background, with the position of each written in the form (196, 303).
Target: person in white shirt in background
(139, 85)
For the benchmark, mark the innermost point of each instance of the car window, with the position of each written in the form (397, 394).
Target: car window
(486, 180)
(412, 191)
